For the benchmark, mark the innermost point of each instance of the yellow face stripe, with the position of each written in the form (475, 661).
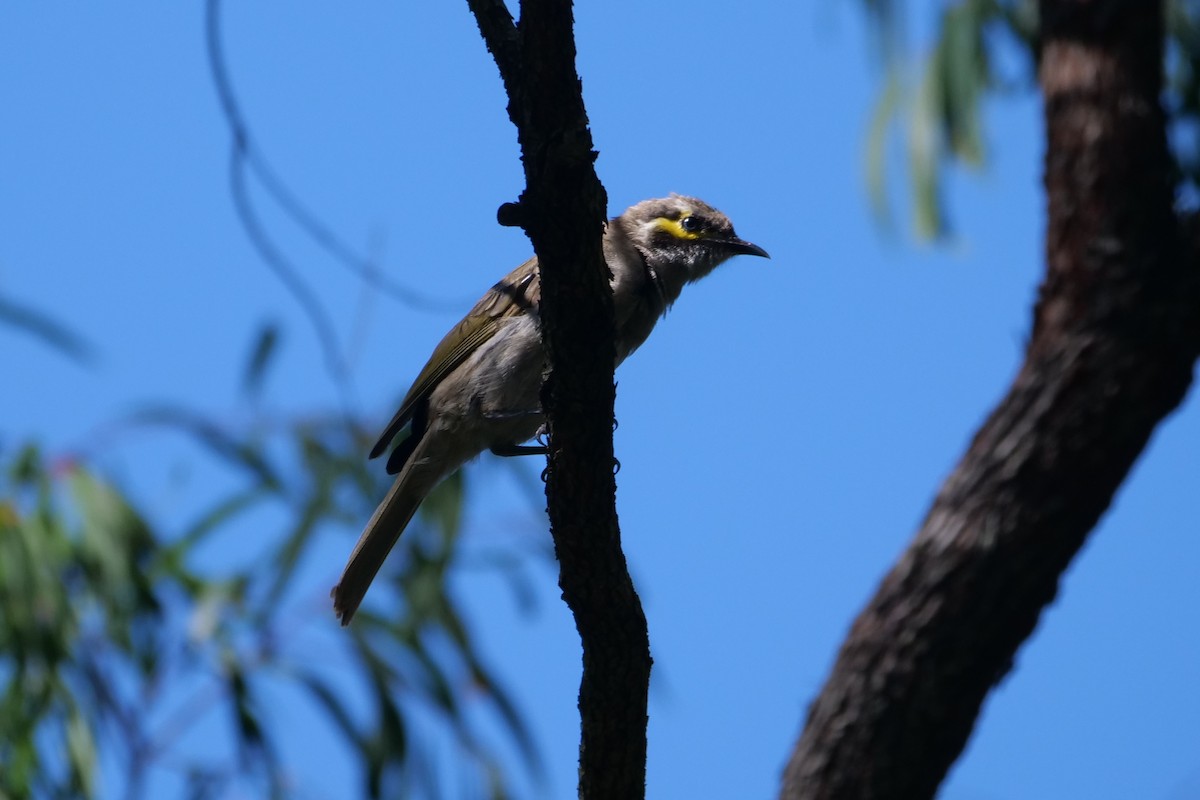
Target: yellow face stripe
(673, 227)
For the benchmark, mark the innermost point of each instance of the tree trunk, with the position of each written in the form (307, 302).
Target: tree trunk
(1116, 333)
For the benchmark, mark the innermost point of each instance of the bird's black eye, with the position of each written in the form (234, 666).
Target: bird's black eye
(691, 223)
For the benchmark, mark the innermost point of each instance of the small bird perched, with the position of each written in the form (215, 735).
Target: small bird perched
(480, 389)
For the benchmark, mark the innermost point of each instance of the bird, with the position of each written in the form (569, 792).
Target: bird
(480, 388)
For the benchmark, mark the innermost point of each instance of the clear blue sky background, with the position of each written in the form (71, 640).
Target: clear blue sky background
(781, 436)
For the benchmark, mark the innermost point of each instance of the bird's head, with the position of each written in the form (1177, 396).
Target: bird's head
(683, 235)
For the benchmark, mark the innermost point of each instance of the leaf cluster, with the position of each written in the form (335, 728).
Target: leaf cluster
(935, 98)
(120, 640)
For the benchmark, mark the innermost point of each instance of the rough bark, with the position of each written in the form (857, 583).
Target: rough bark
(1116, 333)
(563, 211)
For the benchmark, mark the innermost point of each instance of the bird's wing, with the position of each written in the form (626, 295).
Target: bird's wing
(518, 293)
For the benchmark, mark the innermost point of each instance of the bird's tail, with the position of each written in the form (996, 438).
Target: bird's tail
(416, 480)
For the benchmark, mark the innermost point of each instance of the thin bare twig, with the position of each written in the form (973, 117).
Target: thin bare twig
(288, 200)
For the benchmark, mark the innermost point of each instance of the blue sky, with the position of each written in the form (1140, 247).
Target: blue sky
(781, 434)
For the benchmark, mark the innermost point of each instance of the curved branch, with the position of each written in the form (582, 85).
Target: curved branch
(303, 294)
(1116, 335)
(246, 149)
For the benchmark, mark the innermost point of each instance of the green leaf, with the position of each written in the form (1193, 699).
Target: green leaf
(508, 712)
(963, 76)
(81, 753)
(325, 697)
(239, 453)
(250, 735)
(287, 557)
(388, 747)
(172, 559)
(944, 111)
(876, 146)
(27, 468)
(923, 144)
(266, 344)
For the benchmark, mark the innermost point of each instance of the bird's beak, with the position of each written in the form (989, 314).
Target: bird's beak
(741, 247)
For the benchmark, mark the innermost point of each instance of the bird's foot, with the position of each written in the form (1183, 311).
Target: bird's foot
(509, 450)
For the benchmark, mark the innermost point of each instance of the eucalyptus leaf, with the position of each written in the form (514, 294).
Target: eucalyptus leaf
(239, 452)
(266, 345)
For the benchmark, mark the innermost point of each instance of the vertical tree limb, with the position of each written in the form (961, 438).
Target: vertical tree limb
(563, 209)
(1116, 334)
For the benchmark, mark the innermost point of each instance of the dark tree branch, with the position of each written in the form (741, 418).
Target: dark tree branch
(563, 211)
(500, 35)
(1116, 334)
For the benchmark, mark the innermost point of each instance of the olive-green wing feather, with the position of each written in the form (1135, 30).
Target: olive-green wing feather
(517, 293)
